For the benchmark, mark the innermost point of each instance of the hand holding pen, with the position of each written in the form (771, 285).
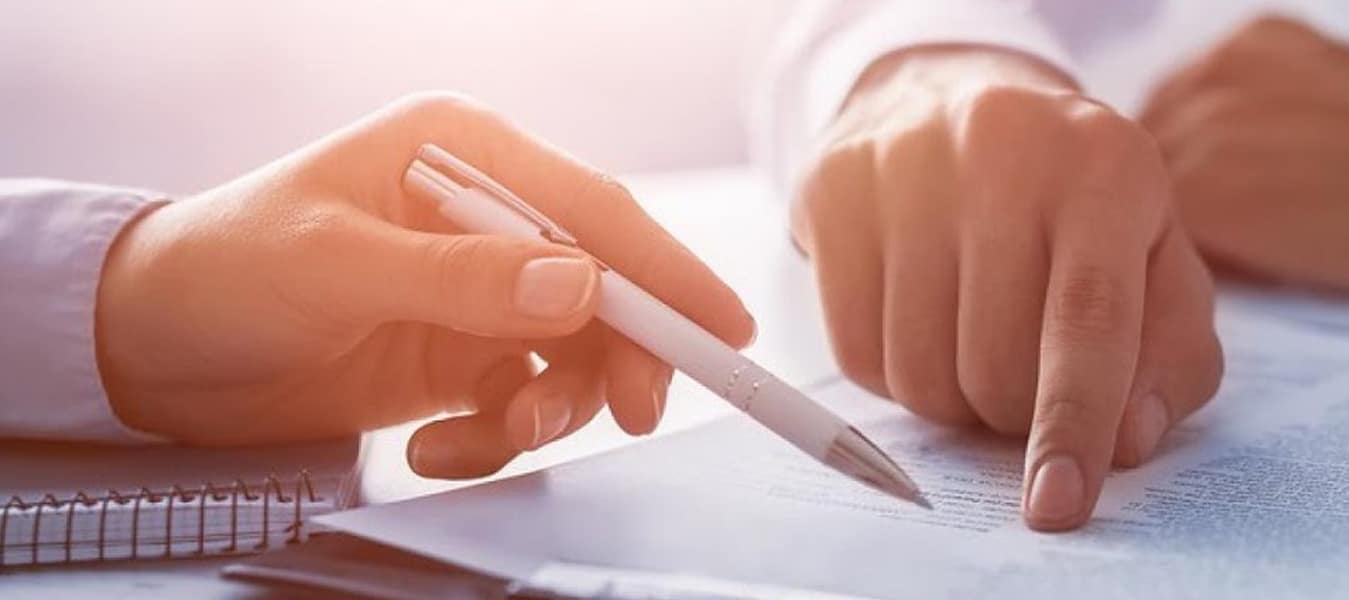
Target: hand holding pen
(473, 200)
(315, 297)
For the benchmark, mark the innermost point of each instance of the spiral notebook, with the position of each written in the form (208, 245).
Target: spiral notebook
(74, 503)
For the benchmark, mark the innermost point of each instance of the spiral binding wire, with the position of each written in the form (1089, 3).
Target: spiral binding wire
(272, 490)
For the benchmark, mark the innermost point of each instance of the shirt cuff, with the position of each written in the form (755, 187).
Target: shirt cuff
(54, 238)
(893, 26)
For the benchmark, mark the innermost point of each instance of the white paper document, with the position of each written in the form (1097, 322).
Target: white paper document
(1249, 499)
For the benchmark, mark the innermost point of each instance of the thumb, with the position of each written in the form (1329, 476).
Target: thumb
(484, 285)
(1180, 363)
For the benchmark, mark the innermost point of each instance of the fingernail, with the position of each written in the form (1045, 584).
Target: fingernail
(753, 330)
(1151, 420)
(1057, 491)
(551, 415)
(425, 460)
(660, 386)
(417, 458)
(554, 287)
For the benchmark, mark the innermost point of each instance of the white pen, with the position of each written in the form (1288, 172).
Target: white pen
(479, 204)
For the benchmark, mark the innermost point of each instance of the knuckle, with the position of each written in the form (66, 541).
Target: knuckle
(1274, 33)
(438, 103)
(425, 111)
(839, 162)
(453, 260)
(1214, 109)
(994, 117)
(1217, 365)
(996, 113)
(859, 363)
(1003, 420)
(458, 252)
(1204, 289)
(608, 192)
(1233, 58)
(1106, 133)
(1088, 304)
(1002, 402)
(651, 261)
(995, 106)
(1208, 366)
(1212, 70)
(1270, 24)
(590, 193)
(997, 103)
(928, 394)
(920, 147)
(1122, 166)
(981, 391)
(839, 170)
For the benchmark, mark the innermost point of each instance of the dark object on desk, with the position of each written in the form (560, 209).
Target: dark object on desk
(351, 567)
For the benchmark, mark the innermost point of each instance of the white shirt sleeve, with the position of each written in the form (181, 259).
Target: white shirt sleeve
(54, 237)
(827, 44)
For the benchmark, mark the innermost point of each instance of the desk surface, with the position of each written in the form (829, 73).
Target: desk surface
(726, 216)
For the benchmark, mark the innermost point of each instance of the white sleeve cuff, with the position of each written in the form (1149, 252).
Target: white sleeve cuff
(828, 44)
(54, 238)
(890, 26)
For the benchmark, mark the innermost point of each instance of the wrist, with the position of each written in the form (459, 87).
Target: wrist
(118, 316)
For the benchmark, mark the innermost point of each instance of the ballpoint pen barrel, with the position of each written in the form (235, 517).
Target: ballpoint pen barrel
(675, 339)
(785, 411)
(469, 208)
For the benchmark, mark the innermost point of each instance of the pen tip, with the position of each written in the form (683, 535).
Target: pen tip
(904, 489)
(857, 456)
(921, 500)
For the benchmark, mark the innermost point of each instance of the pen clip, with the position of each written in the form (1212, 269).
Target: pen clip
(465, 175)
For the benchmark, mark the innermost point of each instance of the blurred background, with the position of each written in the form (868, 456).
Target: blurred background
(181, 95)
(178, 96)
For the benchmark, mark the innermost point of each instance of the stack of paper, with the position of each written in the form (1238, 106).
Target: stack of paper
(1248, 499)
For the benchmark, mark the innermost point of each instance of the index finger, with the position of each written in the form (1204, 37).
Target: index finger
(593, 207)
(1088, 352)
